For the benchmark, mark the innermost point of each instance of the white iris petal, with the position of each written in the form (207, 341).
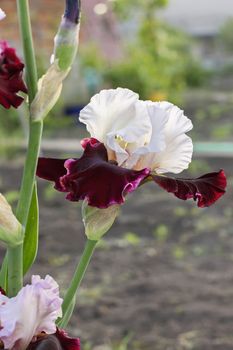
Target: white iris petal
(179, 148)
(116, 115)
(139, 134)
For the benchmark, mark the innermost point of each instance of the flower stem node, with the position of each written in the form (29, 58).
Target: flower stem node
(98, 221)
(11, 231)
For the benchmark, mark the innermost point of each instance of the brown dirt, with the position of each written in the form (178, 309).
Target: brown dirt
(168, 285)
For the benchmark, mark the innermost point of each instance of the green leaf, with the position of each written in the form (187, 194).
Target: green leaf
(3, 274)
(31, 233)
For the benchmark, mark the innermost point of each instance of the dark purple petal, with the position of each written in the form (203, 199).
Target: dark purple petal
(51, 169)
(72, 11)
(66, 342)
(11, 82)
(206, 189)
(46, 342)
(2, 291)
(86, 141)
(57, 341)
(92, 177)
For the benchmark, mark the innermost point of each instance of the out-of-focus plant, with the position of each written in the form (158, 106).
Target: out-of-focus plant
(225, 35)
(124, 7)
(158, 63)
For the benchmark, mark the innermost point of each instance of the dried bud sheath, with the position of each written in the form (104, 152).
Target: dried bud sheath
(11, 232)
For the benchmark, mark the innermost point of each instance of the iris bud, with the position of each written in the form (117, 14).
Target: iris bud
(66, 40)
(11, 231)
(65, 48)
(98, 221)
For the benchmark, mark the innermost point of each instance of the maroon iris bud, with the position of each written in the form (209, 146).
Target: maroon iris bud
(11, 81)
(72, 10)
(57, 341)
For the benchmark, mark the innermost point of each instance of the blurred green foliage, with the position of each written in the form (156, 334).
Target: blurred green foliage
(225, 35)
(157, 63)
(10, 121)
(124, 8)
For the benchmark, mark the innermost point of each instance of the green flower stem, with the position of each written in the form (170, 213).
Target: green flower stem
(76, 281)
(15, 268)
(15, 255)
(28, 48)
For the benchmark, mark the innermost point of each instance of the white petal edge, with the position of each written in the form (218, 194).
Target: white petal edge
(156, 139)
(2, 14)
(35, 309)
(178, 123)
(109, 110)
(176, 157)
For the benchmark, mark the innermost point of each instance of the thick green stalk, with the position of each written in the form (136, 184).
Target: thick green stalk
(28, 49)
(15, 267)
(15, 255)
(76, 281)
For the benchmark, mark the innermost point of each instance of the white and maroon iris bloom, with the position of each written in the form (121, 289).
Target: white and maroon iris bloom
(131, 142)
(34, 310)
(11, 81)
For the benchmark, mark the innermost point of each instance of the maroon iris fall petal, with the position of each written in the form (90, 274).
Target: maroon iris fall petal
(67, 342)
(11, 82)
(206, 189)
(57, 341)
(91, 177)
(2, 291)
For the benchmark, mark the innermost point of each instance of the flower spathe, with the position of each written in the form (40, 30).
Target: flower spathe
(11, 81)
(34, 310)
(131, 142)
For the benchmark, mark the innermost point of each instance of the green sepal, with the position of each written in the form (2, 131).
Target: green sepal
(98, 221)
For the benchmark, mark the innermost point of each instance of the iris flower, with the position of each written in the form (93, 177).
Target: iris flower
(132, 142)
(11, 81)
(28, 320)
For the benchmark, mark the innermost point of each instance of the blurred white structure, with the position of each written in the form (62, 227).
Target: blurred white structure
(198, 17)
(202, 19)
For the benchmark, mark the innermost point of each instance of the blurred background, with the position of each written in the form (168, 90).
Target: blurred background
(162, 278)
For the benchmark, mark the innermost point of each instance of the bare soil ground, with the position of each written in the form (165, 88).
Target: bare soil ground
(163, 275)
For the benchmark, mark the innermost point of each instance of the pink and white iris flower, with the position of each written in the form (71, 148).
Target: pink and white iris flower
(30, 317)
(132, 142)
